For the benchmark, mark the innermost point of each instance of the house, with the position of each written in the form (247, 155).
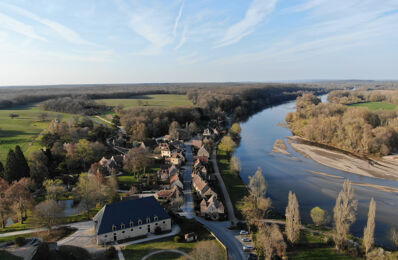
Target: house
(207, 132)
(201, 187)
(203, 152)
(176, 181)
(169, 194)
(130, 219)
(176, 158)
(202, 171)
(211, 208)
(197, 143)
(165, 152)
(149, 145)
(163, 175)
(173, 170)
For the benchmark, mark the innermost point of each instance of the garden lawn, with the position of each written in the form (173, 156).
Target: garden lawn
(376, 105)
(235, 186)
(136, 252)
(23, 130)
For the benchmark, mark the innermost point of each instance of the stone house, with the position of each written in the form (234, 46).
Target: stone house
(201, 187)
(203, 152)
(211, 208)
(176, 181)
(130, 219)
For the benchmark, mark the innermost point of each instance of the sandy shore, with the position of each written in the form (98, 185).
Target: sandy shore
(385, 167)
(280, 147)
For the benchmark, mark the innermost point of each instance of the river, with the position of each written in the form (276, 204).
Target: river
(282, 173)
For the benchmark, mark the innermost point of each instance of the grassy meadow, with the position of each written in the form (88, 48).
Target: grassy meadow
(165, 100)
(376, 105)
(24, 129)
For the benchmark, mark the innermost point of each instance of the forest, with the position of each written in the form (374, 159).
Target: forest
(354, 129)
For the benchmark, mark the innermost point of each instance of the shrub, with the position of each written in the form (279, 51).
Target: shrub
(177, 239)
(158, 231)
(20, 241)
(110, 252)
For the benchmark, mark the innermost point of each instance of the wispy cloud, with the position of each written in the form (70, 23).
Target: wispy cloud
(63, 31)
(178, 18)
(255, 14)
(183, 39)
(11, 24)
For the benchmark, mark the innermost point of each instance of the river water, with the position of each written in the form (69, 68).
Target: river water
(282, 173)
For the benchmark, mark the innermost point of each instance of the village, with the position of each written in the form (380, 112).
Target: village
(145, 210)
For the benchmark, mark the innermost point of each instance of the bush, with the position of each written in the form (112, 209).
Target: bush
(177, 239)
(20, 241)
(110, 252)
(158, 231)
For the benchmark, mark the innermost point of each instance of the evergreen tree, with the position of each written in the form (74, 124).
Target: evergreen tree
(1, 170)
(11, 167)
(23, 167)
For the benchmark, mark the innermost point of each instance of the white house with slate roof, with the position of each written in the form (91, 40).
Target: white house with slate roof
(129, 219)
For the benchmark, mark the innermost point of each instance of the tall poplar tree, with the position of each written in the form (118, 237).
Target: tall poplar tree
(369, 231)
(11, 167)
(293, 223)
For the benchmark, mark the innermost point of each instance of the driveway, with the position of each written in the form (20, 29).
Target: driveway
(188, 206)
(84, 237)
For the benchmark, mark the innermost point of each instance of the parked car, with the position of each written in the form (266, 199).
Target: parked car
(246, 239)
(248, 248)
(252, 256)
(243, 232)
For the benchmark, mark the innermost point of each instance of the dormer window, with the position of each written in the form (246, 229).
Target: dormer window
(131, 223)
(122, 226)
(113, 227)
(139, 222)
(148, 220)
(155, 218)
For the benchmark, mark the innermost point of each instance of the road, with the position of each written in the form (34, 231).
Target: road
(188, 206)
(219, 229)
(226, 236)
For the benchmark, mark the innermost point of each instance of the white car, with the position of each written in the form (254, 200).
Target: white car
(248, 248)
(243, 232)
(246, 239)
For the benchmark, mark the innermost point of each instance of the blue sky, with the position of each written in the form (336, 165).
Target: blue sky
(123, 41)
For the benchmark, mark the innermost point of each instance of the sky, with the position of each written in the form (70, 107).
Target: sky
(136, 41)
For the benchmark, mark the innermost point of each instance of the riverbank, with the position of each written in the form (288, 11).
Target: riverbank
(385, 168)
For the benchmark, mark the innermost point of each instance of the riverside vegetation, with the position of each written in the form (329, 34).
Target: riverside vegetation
(356, 129)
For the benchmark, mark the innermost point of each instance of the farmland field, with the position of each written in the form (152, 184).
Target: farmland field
(376, 105)
(24, 129)
(164, 100)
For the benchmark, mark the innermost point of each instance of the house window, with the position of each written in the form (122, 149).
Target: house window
(140, 227)
(148, 220)
(122, 226)
(156, 224)
(106, 235)
(113, 227)
(155, 218)
(131, 223)
(132, 230)
(164, 222)
(139, 222)
(122, 231)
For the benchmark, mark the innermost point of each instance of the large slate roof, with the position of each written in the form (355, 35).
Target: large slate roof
(126, 211)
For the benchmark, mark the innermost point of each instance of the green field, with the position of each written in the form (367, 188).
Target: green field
(165, 100)
(376, 105)
(23, 130)
(235, 186)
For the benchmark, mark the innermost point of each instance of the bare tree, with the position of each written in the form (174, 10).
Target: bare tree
(258, 184)
(133, 190)
(270, 242)
(344, 214)
(394, 236)
(86, 190)
(4, 202)
(20, 197)
(48, 214)
(369, 231)
(207, 250)
(293, 223)
(55, 189)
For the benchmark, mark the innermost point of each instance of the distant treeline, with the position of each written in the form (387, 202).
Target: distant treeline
(16, 96)
(359, 96)
(77, 105)
(353, 129)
